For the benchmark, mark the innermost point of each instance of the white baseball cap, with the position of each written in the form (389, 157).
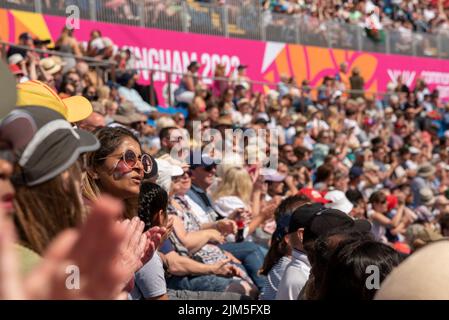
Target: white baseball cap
(15, 58)
(338, 201)
(272, 175)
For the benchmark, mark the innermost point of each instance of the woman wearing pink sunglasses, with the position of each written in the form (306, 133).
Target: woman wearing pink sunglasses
(117, 168)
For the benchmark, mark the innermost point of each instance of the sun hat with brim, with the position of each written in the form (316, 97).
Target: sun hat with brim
(272, 175)
(128, 114)
(36, 93)
(311, 109)
(426, 170)
(426, 196)
(422, 276)
(419, 234)
(7, 90)
(44, 143)
(243, 102)
(166, 171)
(171, 169)
(50, 65)
(224, 121)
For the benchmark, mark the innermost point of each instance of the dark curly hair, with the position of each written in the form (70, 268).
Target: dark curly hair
(152, 199)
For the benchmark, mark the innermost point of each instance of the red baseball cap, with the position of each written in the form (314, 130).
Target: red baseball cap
(313, 195)
(14, 69)
(402, 247)
(392, 201)
(435, 115)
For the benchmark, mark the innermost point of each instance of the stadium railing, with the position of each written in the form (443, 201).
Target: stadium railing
(243, 19)
(109, 71)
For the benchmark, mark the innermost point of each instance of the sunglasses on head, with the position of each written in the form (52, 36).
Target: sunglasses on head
(129, 159)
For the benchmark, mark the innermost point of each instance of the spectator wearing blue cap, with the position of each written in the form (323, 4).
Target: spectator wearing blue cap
(279, 254)
(203, 171)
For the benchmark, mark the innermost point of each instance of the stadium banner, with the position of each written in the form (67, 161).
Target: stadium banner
(266, 61)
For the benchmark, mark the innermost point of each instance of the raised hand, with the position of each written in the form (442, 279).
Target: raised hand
(155, 236)
(132, 249)
(11, 286)
(93, 250)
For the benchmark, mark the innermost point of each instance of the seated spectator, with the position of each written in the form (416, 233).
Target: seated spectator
(241, 78)
(350, 265)
(99, 47)
(279, 253)
(128, 93)
(67, 43)
(383, 225)
(92, 123)
(183, 272)
(190, 239)
(186, 89)
(308, 222)
(117, 168)
(233, 192)
(249, 253)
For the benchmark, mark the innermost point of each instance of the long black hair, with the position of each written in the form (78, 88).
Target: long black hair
(350, 265)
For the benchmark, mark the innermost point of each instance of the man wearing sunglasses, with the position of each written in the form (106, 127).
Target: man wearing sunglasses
(203, 175)
(170, 137)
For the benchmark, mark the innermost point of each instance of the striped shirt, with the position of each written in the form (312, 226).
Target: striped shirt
(272, 281)
(295, 277)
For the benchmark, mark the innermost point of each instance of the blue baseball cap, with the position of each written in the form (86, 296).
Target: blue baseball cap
(200, 160)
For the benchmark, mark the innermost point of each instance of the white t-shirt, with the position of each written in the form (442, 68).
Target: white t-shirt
(101, 43)
(349, 123)
(226, 205)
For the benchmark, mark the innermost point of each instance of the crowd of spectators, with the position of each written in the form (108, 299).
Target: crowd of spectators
(375, 15)
(412, 26)
(361, 180)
